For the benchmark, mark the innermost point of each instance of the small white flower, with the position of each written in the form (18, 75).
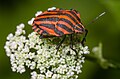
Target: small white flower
(83, 59)
(13, 45)
(12, 57)
(23, 32)
(10, 36)
(48, 74)
(20, 46)
(31, 21)
(64, 77)
(38, 13)
(62, 69)
(76, 76)
(21, 69)
(78, 69)
(28, 63)
(54, 76)
(85, 50)
(33, 75)
(32, 65)
(42, 69)
(52, 8)
(70, 73)
(13, 68)
(26, 49)
(8, 51)
(22, 38)
(18, 32)
(40, 76)
(21, 26)
(39, 51)
(7, 44)
(61, 60)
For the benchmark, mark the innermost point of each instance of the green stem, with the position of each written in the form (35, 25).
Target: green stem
(97, 57)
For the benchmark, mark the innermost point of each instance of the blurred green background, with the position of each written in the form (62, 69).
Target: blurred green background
(106, 30)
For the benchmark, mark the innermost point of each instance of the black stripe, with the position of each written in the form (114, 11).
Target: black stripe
(72, 18)
(67, 21)
(79, 26)
(37, 26)
(52, 27)
(74, 10)
(74, 27)
(59, 19)
(65, 27)
(36, 29)
(44, 32)
(75, 16)
(58, 32)
(48, 19)
(81, 29)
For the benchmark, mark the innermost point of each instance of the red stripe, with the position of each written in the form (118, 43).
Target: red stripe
(69, 26)
(45, 22)
(51, 32)
(61, 29)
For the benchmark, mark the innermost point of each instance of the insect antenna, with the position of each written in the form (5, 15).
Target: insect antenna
(86, 31)
(97, 18)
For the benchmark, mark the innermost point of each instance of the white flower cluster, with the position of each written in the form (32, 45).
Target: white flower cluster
(42, 58)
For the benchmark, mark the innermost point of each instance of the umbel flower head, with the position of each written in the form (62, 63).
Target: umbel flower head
(40, 56)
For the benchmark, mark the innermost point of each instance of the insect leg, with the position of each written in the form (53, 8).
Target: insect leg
(71, 43)
(58, 46)
(41, 36)
(84, 38)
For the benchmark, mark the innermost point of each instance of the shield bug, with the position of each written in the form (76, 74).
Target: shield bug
(59, 22)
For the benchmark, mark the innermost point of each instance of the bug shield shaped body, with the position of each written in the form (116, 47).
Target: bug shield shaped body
(58, 22)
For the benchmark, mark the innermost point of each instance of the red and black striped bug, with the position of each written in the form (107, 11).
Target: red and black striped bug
(59, 22)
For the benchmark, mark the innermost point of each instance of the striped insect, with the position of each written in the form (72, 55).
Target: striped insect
(59, 22)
